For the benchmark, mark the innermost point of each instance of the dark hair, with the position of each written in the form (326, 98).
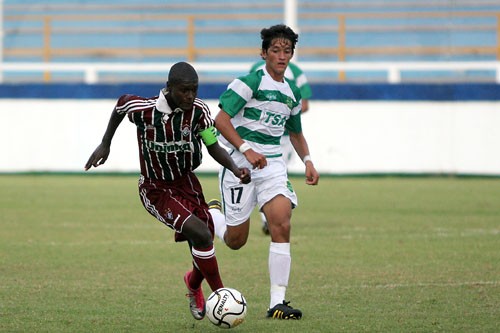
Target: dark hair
(278, 31)
(181, 71)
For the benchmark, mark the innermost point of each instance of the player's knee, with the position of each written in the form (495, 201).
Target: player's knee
(201, 241)
(198, 234)
(204, 238)
(236, 236)
(285, 228)
(235, 243)
(280, 232)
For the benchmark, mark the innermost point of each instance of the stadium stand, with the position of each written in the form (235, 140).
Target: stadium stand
(227, 32)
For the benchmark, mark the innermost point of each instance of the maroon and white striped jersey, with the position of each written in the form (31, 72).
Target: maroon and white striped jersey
(169, 140)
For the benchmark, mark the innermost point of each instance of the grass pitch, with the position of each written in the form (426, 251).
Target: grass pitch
(78, 253)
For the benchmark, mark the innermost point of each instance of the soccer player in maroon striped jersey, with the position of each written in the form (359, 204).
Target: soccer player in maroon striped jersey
(170, 130)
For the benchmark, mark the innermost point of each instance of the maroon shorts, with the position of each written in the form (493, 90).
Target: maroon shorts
(172, 203)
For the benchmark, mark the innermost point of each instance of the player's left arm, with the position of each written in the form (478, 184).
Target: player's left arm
(222, 157)
(305, 105)
(299, 143)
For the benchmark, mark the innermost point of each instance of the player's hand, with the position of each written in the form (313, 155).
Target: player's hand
(312, 176)
(245, 176)
(257, 160)
(98, 157)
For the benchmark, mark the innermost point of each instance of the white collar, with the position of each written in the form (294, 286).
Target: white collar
(270, 77)
(162, 104)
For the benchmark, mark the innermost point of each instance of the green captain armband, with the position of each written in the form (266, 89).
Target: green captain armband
(209, 136)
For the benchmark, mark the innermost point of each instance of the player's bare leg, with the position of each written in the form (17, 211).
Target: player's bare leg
(278, 212)
(237, 236)
(234, 236)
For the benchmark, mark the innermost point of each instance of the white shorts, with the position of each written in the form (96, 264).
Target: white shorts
(239, 200)
(287, 148)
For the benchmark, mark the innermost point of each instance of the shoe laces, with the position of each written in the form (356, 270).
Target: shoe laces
(198, 297)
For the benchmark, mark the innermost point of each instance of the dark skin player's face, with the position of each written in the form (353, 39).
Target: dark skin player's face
(182, 94)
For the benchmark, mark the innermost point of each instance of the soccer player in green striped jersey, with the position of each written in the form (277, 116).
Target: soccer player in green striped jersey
(295, 74)
(255, 111)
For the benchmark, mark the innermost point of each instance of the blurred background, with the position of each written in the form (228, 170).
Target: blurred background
(216, 32)
(399, 86)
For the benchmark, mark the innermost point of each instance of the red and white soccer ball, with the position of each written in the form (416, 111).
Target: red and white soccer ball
(226, 307)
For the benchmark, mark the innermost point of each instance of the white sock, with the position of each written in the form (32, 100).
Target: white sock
(263, 218)
(219, 222)
(279, 271)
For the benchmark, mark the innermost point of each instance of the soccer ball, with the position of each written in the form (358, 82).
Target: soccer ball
(226, 307)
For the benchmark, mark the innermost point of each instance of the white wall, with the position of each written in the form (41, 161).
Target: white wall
(344, 137)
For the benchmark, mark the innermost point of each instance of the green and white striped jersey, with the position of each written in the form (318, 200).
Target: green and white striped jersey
(260, 110)
(294, 73)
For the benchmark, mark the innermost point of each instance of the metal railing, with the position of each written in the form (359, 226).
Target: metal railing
(90, 72)
(47, 28)
(57, 37)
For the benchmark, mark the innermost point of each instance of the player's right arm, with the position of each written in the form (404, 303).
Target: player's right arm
(226, 128)
(101, 153)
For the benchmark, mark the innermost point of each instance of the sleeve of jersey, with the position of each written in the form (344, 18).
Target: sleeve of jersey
(294, 124)
(205, 120)
(238, 93)
(133, 106)
(123, 103)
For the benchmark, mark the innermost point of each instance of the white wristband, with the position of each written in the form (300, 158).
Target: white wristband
(244, 147)
(306, 158)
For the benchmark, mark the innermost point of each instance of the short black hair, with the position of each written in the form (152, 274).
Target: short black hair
(182, 72)
(278, 31)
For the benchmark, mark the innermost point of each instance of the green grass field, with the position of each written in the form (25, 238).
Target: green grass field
(78, 253)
